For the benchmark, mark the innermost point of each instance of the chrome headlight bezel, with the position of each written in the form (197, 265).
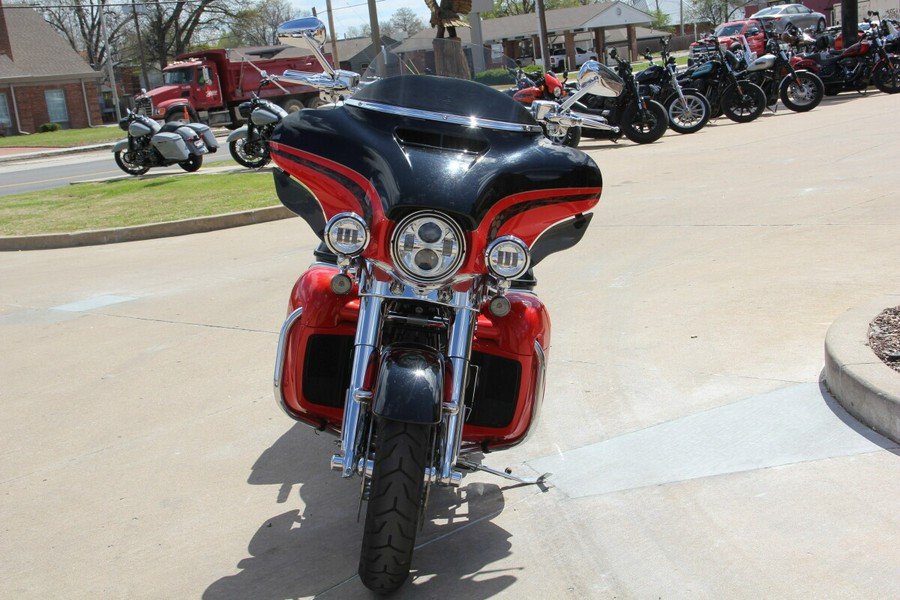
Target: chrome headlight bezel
(507, 257)
(428, 238)
(342, 225)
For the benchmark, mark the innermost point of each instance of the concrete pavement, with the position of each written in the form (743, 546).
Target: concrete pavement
(694, 451)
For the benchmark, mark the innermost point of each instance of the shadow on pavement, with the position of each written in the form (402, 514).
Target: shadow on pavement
(313, 550)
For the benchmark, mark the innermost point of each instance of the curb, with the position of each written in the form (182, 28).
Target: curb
(56, 152)
(866, 387)
(144, 232)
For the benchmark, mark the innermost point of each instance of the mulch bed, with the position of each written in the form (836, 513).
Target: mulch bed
(884, 337)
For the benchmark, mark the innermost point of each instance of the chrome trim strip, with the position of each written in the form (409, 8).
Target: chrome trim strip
(539, 385)
(442, 117)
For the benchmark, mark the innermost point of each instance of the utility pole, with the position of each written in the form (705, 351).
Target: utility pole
(109, 65)
(137, 29)
(376, 31)
(542, 33)
(335, 59)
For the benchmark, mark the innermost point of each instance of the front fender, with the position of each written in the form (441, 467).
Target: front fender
(410, 386)
(240, 132)
(120, 145)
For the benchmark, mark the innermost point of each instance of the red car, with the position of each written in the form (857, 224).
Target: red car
(730, 32)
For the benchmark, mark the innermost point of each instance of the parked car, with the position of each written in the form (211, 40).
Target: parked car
(558, 59)
(797, 14)
(727, 34)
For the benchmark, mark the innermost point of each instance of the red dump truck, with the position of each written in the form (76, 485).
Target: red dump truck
(208, 85)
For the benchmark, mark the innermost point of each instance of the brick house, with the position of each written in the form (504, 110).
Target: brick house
(42, 79)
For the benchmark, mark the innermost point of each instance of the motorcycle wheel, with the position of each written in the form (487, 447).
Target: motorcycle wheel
(887, 77)
(123, 159)
(193, 163)
(803, 96)
(396, 498)
(688, 116)
(253, 155)
(743, 107)
(571, 138)
(647, 126)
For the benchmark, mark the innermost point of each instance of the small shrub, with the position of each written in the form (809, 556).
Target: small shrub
(46, 127)
(495, 77)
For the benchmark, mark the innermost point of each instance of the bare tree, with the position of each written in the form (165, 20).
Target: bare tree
(79, 23)
(405, 20)
(712, 11)
(257, 24)
(172, 29)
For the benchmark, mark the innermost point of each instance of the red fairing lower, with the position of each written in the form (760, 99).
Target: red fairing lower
(317, 344)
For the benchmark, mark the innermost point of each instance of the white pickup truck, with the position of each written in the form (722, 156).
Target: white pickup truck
(558, 59)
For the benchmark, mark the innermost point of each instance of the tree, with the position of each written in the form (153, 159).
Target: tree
(257, 25)
(173, 29)
(386, 28)
(405, 20)
(712, 11)
(79, 23)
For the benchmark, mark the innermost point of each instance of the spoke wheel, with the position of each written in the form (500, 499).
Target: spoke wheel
(887, 77)
(690, 115)
(395, 504)
(571, 138)
(251, 154)
(126, 162)
(802, 92)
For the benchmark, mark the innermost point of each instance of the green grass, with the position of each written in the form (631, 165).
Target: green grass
(122, 203)
(65, 138)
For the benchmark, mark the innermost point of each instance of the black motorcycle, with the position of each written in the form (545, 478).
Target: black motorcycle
(727, 90)
(249, 145)
(688, 110)
(799, 90)
(642, 119)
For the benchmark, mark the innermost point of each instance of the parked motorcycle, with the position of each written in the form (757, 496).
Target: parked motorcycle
(150, 144)
(688, 110)
(640, 118)
(799, 90)
(416, 337)
(727, 90)
(249, 144)
(855, 68)
(544, 86)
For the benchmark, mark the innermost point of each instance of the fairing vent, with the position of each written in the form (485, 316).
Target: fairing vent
(441, 141)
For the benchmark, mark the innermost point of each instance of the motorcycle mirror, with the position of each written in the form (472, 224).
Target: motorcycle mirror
(613, 53)
(300, 32)
(599, 80)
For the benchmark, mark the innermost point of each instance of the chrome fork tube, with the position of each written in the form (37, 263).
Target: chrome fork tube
(368, 329)
(458, 352)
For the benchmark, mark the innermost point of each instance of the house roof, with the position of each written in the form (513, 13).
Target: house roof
(37, 50)
(347, 49)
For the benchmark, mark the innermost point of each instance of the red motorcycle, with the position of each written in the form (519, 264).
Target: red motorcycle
(855, 68)
(416, 336)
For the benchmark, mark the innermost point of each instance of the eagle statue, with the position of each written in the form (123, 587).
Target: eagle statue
(446, 15)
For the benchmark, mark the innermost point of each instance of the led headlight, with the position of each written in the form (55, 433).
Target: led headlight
(428, 247)
(346, 234)
(507, 257)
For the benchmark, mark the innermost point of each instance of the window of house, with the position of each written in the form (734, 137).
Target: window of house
(56, 106)
(4, 112)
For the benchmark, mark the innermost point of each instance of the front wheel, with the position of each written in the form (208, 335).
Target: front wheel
(690, 114)
(644, 126)
(571, 138)
(802, 91)
(193, 163)
(887, 77)
(126, 162)
(251, 154)
(396, 498)
(743, 102)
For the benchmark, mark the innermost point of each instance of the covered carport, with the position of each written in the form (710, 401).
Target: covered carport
(564, 26)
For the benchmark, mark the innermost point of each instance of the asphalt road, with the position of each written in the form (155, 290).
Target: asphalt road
(46, 173)
(693, 452)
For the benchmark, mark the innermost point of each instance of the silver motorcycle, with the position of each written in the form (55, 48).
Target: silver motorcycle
(150, 144)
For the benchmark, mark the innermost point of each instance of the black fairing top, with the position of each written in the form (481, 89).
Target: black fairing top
(415, 163)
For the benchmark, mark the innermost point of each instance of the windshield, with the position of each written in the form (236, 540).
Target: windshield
(730, 29)
(179, 76)
(768, 12)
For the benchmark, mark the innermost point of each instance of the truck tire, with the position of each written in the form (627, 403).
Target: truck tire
(177, 114)
(315, 102)
(292, 105)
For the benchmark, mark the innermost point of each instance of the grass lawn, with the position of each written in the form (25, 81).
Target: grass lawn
(110, 204)
(64, 138)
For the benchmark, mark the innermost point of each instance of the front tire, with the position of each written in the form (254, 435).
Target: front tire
(802, 92)
(644, 127)
(193, 163)
(251, 154)
(688, 116)
(125, 161)
(571, 138)
(395, 502)
(745, 104)
(887, 77)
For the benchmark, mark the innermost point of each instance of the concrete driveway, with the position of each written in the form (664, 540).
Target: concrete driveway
(694, 452)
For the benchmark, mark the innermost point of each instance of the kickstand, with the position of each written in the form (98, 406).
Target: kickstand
(506, 474)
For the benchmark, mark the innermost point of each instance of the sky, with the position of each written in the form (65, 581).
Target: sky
(353, 13)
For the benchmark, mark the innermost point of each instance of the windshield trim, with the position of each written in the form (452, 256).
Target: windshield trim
(443, 117)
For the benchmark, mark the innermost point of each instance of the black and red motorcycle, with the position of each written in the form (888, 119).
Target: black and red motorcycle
(416, 336)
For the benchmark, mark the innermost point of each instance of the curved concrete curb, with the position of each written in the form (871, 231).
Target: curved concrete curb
(144, 232)
(865, 386)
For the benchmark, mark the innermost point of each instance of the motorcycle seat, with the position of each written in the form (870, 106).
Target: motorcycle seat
(171, 126)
